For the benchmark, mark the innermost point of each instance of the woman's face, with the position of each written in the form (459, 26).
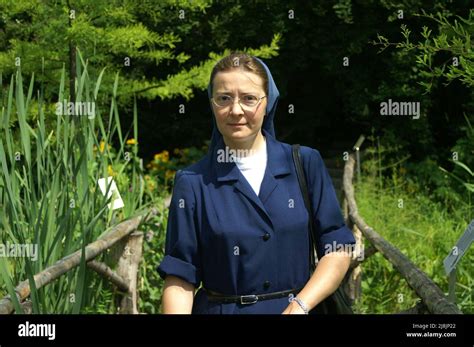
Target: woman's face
(234, 122)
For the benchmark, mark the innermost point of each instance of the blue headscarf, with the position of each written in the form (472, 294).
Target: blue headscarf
(272, 99)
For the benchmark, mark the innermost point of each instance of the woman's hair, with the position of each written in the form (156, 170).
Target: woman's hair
(243, 61)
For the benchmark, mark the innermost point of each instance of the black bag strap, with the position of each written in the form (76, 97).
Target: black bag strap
(307, 201)
(337, 303)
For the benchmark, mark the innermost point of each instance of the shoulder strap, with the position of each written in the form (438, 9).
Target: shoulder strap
(307, 201)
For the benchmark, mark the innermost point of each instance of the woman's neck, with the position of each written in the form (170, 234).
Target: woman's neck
(249, 145)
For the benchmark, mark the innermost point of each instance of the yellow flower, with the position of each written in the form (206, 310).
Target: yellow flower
(166, 156)
(169, 174)
(102, 146)
(132, 142)
(163, 156)
(110, 170)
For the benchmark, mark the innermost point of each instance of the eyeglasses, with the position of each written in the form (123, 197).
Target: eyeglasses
(249, 101)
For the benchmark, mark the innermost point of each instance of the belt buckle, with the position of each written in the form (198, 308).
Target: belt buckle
(253, 298)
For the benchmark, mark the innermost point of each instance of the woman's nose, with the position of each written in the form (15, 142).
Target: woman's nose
(236, 108)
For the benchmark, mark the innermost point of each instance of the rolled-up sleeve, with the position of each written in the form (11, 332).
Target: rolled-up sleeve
(182, 248)
(330, 226)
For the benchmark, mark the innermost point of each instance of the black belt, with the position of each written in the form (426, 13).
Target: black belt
(247, 299)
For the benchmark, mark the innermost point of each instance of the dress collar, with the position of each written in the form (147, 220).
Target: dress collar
(278, 162)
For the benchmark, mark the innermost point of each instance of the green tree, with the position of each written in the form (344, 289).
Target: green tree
(451, 42)
(120, 35)
(445, 55)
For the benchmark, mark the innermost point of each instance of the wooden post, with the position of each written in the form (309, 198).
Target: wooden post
(128, 270)
(353, 285)
(27, 306)
(355, 279)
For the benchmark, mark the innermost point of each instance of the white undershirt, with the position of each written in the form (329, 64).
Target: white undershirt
(253, 166)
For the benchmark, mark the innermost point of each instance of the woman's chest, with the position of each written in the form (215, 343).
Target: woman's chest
(230, 214)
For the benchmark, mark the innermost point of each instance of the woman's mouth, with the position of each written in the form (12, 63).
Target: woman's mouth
(237, 124)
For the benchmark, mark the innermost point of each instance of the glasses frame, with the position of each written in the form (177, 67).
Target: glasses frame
(239, 102)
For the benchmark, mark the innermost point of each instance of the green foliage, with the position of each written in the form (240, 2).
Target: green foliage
(343, 10)
(453, 36)
(48, 189)
(444, 53)
(421, 228)
(464, 150)
(111, 34)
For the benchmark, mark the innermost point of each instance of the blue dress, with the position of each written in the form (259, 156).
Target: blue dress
(221, 235)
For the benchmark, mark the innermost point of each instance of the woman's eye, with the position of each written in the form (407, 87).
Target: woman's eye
(223, 98)
(250, 98)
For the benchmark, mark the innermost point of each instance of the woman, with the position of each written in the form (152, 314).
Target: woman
(237, 221)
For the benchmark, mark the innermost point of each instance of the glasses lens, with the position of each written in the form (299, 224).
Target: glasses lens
(250, 100)
(223, 100)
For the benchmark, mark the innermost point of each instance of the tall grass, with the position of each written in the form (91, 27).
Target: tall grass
(423, 229)
(49, 168)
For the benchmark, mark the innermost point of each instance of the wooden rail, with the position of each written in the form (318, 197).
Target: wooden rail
(124, 278)
(431, 295)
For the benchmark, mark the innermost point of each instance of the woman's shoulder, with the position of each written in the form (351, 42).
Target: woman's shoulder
(309, 155)
(194, 171)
